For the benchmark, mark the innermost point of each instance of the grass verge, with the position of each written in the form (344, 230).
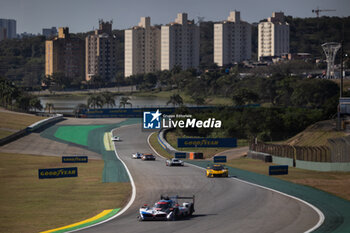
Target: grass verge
(336, 183)
(153, 140)
(28, 204)
(11, 122)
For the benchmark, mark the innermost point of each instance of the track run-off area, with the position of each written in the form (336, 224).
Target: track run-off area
(232, 204)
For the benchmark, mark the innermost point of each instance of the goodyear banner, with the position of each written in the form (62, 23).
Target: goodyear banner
(278, 170)
(74, 159)
(58, 172)
(206, 142)
(219, 159)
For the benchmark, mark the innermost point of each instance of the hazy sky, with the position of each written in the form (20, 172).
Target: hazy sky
(83, 15)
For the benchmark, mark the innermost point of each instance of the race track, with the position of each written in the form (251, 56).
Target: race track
(222, 204)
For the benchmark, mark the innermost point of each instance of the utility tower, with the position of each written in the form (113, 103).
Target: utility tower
(330, 49)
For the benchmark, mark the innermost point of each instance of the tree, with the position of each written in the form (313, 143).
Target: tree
(175, 99)
(243, 96)
(49, 107)
(124, 101)
(198, 100)
(94, 101)
(79, 109)
(35, 103)
(97, 81)
(108, 99)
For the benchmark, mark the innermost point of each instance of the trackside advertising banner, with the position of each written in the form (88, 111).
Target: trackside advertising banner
(278, 170)
(58, 172)
(206, 142)
(219, 159)
(74, 159)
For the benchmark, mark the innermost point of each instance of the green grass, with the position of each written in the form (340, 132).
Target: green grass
(76, 134)
(336, 183)
(28, 204)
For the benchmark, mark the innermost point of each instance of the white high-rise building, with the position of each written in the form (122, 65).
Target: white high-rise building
(142, 48)
(180, 44)
(232, 40)
(8, 29)
(273, 36)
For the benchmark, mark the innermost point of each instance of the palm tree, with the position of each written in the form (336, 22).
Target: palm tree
(94, 101)
(175, 99)
(124, 101)
(35, 103)
(79, 108)
(49, 107)
(108, 98)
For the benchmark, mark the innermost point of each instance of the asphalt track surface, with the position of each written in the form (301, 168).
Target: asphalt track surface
(221, 204)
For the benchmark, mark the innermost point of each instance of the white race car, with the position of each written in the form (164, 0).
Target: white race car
(116, 138)
(167, 208)
(137, 155)
(174, 162)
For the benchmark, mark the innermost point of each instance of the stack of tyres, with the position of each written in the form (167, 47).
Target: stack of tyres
(196, 155)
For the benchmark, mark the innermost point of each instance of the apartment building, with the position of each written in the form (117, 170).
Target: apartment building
(101, 53)
(180, 44)
(65, 54)
(142, 48)
(232, 40)
(273, 39)
(8, 29)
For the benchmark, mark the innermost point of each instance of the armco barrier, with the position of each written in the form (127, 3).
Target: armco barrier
(31, 128)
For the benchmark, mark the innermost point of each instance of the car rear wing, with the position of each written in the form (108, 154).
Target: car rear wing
(177, 197)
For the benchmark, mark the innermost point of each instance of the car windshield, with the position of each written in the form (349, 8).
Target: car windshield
(217, 167)
(175, 160)
(162, 205)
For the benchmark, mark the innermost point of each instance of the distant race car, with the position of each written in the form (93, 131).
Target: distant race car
(167, 208)
(137, 155)
(174, 162)
(216, 170)
(148, 157)
(116, 138)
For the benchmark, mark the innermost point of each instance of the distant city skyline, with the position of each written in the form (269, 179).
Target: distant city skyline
(82, 15)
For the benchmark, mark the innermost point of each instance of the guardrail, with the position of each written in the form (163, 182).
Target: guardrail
(36, 126)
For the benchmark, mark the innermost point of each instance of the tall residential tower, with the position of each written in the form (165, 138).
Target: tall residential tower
(180, 44)
(232, 40)
(142, 48)
(65, 54)
(101, 53)
(8, 29)
(273, 37)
